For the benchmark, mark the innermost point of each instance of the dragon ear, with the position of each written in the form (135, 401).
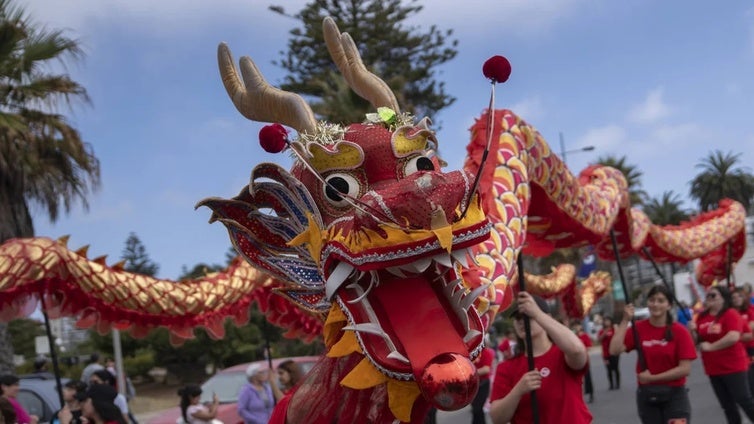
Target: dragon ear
(262, 219)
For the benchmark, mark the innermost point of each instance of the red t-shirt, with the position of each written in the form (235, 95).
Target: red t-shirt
(485, 359)
(605, 335)
(660, 354)
(560, 394)
(585, 339)
(711, 329)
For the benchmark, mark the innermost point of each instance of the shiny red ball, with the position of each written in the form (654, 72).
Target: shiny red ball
(497, 68)
(273, 138)
(449, 382)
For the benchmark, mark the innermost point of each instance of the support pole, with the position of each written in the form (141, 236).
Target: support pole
(527, 337)
(673, 299)
(53, 351)
(729, 265)
(639, 351)
(269, 352)
(120, 376)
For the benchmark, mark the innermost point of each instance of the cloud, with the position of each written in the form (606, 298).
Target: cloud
(653, 108)
(605, 138)
(531, 108)
(672, 134)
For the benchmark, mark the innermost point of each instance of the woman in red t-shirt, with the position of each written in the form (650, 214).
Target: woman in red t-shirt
(718, 330)
(668, 350)
(611, 361)
(560, 360)
(746, 310)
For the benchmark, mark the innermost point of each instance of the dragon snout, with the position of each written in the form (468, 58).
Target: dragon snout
(424, 200)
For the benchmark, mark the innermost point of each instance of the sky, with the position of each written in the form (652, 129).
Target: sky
(663, 83)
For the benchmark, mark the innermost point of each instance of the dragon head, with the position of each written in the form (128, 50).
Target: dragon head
(370, 233)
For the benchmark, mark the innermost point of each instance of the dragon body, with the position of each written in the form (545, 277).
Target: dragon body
(399, 265)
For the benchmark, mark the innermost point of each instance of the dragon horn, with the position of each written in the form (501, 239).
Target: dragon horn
(257, 100)
(346, 56)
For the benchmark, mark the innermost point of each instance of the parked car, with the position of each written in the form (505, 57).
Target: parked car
(227, 385)
(39, 396)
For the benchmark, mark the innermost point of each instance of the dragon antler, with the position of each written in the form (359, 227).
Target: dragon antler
(257, 100)
(346, 56)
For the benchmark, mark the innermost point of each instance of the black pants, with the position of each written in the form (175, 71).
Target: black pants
(588, 386)
(613, 371)
(477, 405)
(678, 407)
(731, 390)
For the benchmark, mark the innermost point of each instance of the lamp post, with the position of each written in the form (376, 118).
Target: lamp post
(563, 151)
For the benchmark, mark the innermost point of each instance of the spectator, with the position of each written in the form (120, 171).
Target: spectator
(483, 364)
(718, 330)
(611, 361)
(685, 313)
(104, 377)
(560, 360)
(289, 374)
(587, 341)
(192, 411)
(74, 393)
(255, 402)
(9, 386)
(7, 411)
(667, 350)
(97, 408)
(91, 366)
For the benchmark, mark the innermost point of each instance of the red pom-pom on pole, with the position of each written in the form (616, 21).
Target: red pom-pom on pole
(497, 69)
(273, 138)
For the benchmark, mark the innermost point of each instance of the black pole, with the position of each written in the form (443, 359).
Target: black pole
(673, 299)
(639, 352)
(527, 337)
(53, 352)
(729, 265)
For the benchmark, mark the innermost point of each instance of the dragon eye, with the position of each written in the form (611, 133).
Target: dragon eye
(418, 163)
(338, 184)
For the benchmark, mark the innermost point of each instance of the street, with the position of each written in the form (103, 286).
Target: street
(619, 407)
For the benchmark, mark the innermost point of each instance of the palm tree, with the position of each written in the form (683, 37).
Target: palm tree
(721, 178)
(665, 210)
(632, 174)
(43, 160)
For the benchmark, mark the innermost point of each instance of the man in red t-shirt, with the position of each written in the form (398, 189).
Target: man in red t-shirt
(578, 329)
(483, 364)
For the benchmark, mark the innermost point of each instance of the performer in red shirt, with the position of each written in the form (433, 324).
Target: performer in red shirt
(746, 310)
(507, 345)
(483, 364)
(578, 329)
(560, 360)
(718, 330)
(668, 350)
(611, 361)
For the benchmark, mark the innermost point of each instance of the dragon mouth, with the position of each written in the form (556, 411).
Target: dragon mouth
(394, 311)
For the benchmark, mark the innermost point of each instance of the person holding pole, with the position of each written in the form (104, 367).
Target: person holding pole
(718, 330)
(667, 349)
(560, 361)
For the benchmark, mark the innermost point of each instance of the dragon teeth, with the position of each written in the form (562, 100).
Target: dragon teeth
(336, 279)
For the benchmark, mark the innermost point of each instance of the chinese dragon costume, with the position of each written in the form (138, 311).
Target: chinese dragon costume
(399, 265)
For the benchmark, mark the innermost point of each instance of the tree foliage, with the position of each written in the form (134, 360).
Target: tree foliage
(43, 159)
(23, 333)
(666, 209)
(632, 174)
(136, 257)
(722, 177)
(403, 55)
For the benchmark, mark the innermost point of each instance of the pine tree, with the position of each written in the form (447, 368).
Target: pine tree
(136, 257)
(404, 56)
